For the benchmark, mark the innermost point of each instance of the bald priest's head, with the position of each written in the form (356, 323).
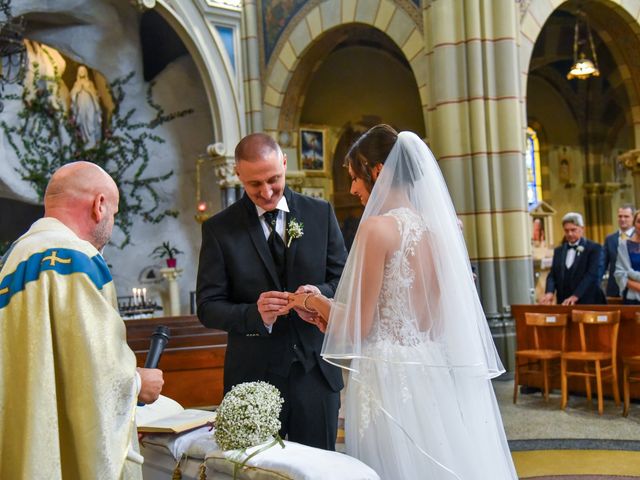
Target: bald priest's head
(85, 198)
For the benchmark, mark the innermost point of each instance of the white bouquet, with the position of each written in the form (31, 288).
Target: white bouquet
(248, 416)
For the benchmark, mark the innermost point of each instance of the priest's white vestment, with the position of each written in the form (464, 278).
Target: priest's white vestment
(67, 376)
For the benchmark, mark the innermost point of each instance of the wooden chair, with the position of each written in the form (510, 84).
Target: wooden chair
(615, 301)
(630, 374)
(591, 352)
(537, 360)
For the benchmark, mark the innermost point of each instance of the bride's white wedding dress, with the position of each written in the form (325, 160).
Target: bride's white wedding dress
(408, 324)
(407, 415)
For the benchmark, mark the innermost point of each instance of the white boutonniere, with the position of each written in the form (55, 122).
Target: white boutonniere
(294, 230)
(579, 250)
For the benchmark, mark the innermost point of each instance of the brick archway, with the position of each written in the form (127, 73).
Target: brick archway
(285, 80)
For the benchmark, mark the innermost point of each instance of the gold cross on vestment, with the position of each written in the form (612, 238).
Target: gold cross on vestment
(53, 258)
(4, 290)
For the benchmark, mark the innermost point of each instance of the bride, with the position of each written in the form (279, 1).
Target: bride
(407, 323)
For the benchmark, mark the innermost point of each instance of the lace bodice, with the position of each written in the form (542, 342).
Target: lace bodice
(395, 324)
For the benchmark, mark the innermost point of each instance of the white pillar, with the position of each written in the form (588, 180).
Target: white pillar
(171, 275)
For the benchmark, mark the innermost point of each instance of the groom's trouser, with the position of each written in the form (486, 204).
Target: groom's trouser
(310, 411)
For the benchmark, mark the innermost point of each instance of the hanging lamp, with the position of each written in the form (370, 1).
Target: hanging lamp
(583, 67)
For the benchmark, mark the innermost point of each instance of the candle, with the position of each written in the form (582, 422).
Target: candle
(144, 296)
(133, 291)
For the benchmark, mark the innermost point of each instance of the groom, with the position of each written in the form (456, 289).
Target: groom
(273, 241)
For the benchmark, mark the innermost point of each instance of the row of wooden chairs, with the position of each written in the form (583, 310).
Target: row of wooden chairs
(595, 360)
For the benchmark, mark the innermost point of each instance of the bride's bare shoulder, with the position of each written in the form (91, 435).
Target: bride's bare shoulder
(377, 222)
(381, 229)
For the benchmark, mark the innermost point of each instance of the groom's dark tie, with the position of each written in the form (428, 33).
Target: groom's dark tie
(276, 244)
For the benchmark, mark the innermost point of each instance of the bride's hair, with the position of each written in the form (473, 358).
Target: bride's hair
(369, 150)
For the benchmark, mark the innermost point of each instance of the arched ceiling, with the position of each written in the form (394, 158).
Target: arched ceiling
(606, 98)
(339, 38)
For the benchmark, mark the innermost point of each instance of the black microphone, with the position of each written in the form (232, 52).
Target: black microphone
(159, 340)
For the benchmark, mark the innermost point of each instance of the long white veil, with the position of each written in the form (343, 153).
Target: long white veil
(407, 321)
(444, 306)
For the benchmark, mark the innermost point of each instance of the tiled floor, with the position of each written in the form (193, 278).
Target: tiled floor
(533, 418)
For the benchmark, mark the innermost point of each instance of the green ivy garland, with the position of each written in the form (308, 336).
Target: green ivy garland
(45, 138)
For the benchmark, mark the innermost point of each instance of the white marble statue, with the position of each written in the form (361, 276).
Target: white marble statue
(85, 107)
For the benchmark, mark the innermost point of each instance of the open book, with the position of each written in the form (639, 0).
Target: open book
(167, 415)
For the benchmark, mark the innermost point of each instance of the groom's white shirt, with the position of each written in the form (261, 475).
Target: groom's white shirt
(282, 206)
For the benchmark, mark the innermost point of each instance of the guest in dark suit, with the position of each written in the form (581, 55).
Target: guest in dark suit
(250, 258)
(610, 250)
(574, 269)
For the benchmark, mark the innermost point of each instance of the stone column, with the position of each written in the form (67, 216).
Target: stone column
(598, 221)
(252, 82)
(478, 134)
(172, 275)
(631, 160)
(474, 90)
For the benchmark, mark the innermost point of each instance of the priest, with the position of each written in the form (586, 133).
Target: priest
(68, 380)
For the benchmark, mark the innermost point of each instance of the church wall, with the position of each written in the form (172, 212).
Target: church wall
(186, 138)
(107, 40)
(470, 108)
(559, 140)
(358, 81)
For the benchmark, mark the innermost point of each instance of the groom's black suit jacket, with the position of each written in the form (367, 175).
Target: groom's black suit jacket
(236, 266)
(581, 279)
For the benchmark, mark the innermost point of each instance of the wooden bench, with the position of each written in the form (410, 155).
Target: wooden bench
(192, 361)
(628, 339)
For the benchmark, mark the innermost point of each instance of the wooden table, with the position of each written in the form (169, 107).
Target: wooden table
(628, 340)
(192, 361)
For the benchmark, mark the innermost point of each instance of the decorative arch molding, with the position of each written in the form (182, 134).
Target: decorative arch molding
(195, 25)
(311, 33)
(606, 16)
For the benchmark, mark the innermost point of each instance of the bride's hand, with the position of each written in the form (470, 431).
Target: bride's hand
(299, 301)
(320, 322)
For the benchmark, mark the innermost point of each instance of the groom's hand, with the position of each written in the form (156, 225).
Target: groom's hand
(271, 305)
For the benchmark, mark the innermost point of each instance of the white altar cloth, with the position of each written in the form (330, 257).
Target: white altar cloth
(294, 462)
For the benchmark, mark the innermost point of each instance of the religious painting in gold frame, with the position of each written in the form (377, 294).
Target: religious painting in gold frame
(312, 149)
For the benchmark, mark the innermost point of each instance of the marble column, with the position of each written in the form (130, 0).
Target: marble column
(172, 275)
(474, 90)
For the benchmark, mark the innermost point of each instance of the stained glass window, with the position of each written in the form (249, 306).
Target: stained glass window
(532, 159)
